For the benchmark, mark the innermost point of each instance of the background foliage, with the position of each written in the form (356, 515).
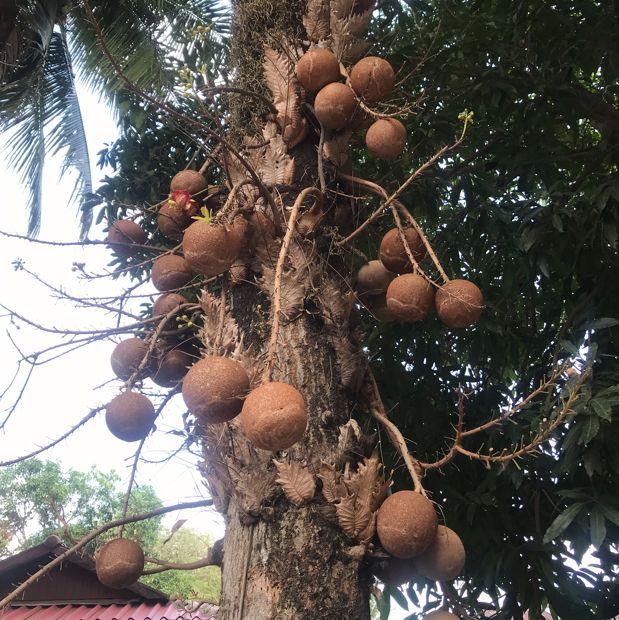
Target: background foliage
(38, 499)
(527, 208)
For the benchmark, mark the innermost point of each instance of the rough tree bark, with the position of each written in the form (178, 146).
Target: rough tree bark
(282, 561)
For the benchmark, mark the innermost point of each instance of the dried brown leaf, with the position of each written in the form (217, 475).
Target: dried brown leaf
(274, 165)
(353, 519)
(367, 534)
(316, 20)
(177, 526)
(296, 481)
(254, 487)
(337, 148)
(379, 495)
(353, 49)
(363, 481)
(358, 22)
(280, 76)
(289, 172)
(332, 489)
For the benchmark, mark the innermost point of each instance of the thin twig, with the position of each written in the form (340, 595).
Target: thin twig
(134, 469)
(62, 437)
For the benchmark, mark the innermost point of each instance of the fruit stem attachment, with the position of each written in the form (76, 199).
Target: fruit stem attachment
(407, 248)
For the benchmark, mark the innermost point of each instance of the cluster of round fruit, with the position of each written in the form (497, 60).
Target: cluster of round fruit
(409, 296)
(273, 416)
(215, 389)
(337, 104)
(408, 529)
(209, 248)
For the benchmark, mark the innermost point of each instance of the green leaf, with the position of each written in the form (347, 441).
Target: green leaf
(598, 527)
(562, 521)
(397, 596)
(612, 514)
(603, 323)
(384, 606)
(568, 346)
(589, 428)
(601, 408)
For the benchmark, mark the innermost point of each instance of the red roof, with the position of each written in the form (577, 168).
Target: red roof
(145, 611)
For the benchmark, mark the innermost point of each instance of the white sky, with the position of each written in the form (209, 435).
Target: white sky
(62, 392)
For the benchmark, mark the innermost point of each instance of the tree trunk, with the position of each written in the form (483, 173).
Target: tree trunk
(283, 561)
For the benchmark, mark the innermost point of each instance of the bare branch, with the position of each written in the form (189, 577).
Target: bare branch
(62, 437)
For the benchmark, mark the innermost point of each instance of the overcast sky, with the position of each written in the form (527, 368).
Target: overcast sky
(63, 391)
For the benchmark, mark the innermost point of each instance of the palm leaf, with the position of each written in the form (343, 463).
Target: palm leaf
(38, 101)
(26, 146)
(62, 111)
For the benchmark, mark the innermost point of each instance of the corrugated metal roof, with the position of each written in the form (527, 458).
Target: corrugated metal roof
(146, 611)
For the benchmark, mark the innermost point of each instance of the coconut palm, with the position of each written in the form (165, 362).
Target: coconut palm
(42, 41)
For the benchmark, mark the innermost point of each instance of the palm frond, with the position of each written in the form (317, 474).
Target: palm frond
(63, 112)
(50, 121)
(142, 36)
(28, 36)
(26, 146)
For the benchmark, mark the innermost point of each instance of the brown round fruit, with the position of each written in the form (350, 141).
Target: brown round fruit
(335, 105)
(373, 278)
(172, 221)
(459, 303)
(127, 356)
(410, 297)
(274, 416)
(214, 389)
(393, 254)
(164, 304)
(172, 367)
(210, 249)
(119, 563)
(317, 68)
(372, 78)
(441, 614)
(238, 230)
(444, 558)
(130, 416)
(170, 271)
(124, 235)
(386, 138)
(406, 524)
(188, 180)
